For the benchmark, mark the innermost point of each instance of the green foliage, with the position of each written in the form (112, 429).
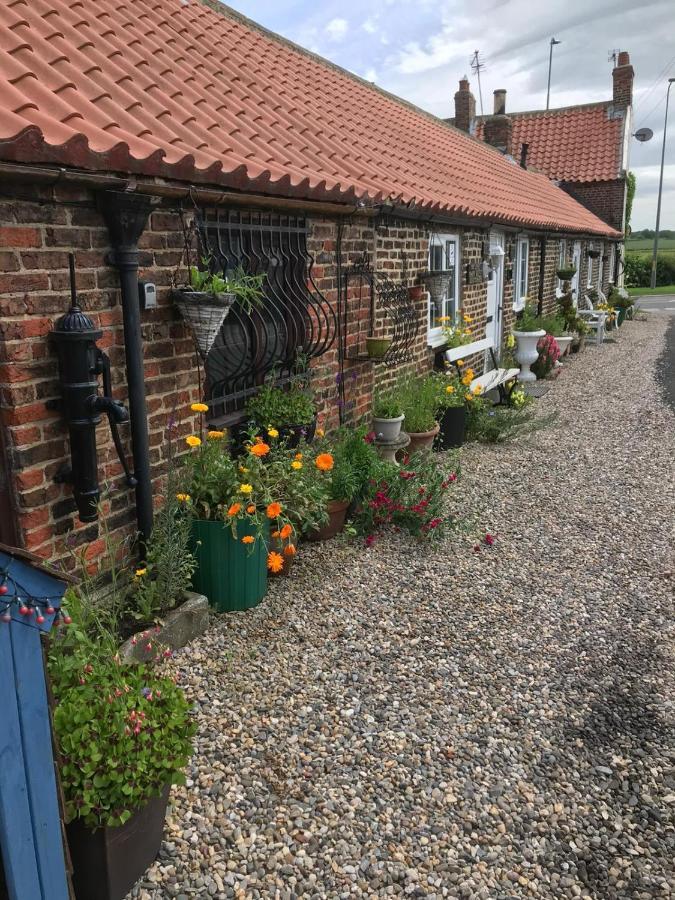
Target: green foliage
(449, 388)
(292, 477)
(456, 330)
(124, 733)
(355, 462)
(169, 564)
(630, 196)
(490, 424)
(419, 399)
(554, 325)
(410, 497)
(279, 407)
(619, 297)
(387, 404)
(528, 320)
(639, 269)
(246, 288)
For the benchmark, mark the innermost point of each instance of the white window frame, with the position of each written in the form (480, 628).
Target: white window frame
(435, 335)
(522, 256)
(601, 267)
(589, 266)
(562, 259)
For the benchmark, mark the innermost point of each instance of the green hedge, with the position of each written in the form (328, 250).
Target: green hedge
(639, 269)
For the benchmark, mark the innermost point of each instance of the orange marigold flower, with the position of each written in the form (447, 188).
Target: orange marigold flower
(298, 455)
(250, 509)
(234, 509)
(273, 510)
(289, 550)
(260, 449)
(248, 539)
(276, 534)
(286, 531)
(275, 562)
(324, 462)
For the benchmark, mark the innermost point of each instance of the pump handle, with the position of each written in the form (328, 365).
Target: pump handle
(103, 366)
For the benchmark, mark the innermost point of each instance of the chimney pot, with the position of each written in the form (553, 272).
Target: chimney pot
(465, 107)
(622, 80)
(623, 58)
(500, 102)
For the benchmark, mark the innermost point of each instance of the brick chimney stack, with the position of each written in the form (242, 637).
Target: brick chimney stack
(622, 78)
(465, 107)
(497, 127)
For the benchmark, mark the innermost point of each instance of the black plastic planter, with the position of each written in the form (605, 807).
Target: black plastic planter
(453, 428)
(109, 861)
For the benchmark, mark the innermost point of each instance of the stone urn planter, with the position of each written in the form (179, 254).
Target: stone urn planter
(526, 352)
(564, 342)
(180, 626)
(387, 431)
(422, 440)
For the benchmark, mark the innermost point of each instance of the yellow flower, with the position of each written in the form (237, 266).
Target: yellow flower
(468, 396)
(248, 539)
(141, 572)
(272, 432)
(296, 465)
(246, 488)
(320, 432)
(449, 389)
(215, 435)
(243, 469)
(183, 498)
(467, 318)
(468, 378)
(193, 441)
(199, 407)
(476, 390)
(443, 319)
(460, 362)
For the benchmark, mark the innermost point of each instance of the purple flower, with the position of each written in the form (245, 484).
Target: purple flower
(338, 378)
(146, 691)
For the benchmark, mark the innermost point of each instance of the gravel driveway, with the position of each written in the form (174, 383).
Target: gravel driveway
(402, 721)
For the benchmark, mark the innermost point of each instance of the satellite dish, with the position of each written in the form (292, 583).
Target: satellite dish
(643, 134)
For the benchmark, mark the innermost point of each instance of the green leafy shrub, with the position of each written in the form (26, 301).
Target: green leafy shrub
(280, 408)
(387, 404)
(639, 269)
(246, 288)
(528, 320)
(488, 424)
(419, 399)
(123, 732)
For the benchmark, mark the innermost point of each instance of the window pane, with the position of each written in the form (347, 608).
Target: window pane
(435, 257)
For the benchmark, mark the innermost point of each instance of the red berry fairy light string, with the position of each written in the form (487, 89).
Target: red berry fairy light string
(14, 596)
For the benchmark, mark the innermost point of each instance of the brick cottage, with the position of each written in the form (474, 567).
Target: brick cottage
(138, 135)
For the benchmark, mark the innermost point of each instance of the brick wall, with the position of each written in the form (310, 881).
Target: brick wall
(40, 227)
(607, 199)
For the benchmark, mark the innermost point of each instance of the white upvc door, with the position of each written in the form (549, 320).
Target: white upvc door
(495, 295)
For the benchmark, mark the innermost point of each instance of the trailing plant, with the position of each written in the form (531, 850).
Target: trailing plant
(410, 497)
(279, 407)
(247, 289)
(488, 424)
(123, 732)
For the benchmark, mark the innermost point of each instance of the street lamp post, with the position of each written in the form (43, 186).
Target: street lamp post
(550, 63)
(658, 202)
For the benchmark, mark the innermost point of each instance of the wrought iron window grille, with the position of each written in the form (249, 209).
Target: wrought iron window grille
(293, 324)
(390, 309)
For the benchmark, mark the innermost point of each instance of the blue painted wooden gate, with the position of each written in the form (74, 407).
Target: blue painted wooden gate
(30, 826)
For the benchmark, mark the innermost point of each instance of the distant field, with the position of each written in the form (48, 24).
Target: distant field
(640, 245)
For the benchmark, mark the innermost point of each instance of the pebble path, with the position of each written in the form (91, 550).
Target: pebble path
(406, 721)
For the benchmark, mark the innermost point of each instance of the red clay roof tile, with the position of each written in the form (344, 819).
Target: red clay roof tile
(575, 143)
(175, 88)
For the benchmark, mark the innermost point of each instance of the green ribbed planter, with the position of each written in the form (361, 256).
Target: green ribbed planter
(227, 572)
(620, 314)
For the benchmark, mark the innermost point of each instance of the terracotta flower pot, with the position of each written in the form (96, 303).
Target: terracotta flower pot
(337, 510)
(415, 292)
(422, 440)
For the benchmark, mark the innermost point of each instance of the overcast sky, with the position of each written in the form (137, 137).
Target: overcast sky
(419, 50)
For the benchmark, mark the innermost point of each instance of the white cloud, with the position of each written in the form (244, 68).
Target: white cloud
(337, 29)
(370, 75)
(370, 25)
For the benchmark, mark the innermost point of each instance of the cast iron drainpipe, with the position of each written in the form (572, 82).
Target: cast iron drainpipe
(542, 273)
(126, 216)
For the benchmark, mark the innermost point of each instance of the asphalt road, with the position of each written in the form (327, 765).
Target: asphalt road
(665, 366)
(657, 303)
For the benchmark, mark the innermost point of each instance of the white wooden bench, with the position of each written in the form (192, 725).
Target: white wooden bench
(596, 319)
(497, 379)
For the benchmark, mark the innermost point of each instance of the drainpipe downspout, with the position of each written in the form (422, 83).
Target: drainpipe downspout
(126, 216)
(542, 273)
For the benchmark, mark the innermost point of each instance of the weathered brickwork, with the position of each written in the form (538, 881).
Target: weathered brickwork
(607, 199)
(41, 225)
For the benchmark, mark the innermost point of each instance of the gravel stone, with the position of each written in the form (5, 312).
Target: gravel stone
(407, 721)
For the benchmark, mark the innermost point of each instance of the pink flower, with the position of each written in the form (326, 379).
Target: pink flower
(370, 540)
(370, 437)
(489, 539)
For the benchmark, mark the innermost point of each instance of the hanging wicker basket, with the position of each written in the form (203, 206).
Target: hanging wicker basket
(437, 284)
(204, 313)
